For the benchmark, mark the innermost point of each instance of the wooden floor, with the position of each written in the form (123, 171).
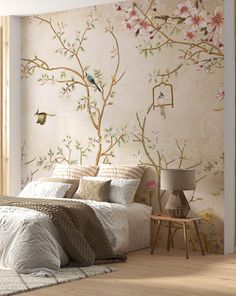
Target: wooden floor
(164, 274)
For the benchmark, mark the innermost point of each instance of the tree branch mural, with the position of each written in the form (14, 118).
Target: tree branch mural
(186, 37)
(191, 29)
(198, 36)
(158, 160)
(95, 104)
(64, 153)
(25, 162)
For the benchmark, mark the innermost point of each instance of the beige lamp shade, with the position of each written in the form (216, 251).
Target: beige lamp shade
(178, 179)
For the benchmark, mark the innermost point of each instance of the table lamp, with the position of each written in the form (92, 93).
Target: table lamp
(177, 180)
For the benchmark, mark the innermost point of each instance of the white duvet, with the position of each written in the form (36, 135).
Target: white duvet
(29, 241)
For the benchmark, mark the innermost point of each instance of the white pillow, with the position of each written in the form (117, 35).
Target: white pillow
(122, 191)
(45, 190)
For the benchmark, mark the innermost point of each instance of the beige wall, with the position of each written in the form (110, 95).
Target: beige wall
(189, 134)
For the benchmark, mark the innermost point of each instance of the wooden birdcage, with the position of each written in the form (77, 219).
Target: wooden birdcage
(162, 100)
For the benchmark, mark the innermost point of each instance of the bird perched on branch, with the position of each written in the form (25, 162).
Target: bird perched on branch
(92, 81)
(42, 117)
(161, 96)
(161, 104)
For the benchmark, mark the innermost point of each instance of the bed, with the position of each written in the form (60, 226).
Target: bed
(30, 242)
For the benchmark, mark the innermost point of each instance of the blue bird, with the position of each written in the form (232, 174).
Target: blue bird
(161, 103)
(161, 96)
(92, 81)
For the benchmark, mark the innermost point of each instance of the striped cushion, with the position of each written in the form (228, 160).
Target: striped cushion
(120, 171)
(67, 171)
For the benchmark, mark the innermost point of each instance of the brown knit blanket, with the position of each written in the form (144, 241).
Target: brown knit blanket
(82, 234)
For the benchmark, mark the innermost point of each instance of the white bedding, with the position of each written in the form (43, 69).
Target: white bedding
(29, 240)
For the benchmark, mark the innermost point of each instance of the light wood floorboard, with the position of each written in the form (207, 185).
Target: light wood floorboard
(162, 274)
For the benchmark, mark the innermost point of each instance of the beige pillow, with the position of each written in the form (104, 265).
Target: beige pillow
(67, 171)
(94, 190)
(71, 191)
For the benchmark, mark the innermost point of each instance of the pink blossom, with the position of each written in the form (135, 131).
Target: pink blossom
(216, 22)
(215, 27)
(151, 185)
(220, 94)
(128, 25)
(133, 13)
(197, 20)
(144, 24)
(83, 102)
(184, 10)
(190, 35)
(145, 29)
(216, 38)
(136, 22)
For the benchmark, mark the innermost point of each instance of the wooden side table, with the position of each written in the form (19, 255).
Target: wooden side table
(184, 221)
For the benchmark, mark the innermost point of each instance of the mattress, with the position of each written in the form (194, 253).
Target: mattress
(30, 241)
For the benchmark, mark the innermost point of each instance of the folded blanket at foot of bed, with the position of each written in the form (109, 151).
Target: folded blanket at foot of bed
(82, 235)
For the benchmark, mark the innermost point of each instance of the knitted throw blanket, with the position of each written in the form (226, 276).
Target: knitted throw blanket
(82, 234)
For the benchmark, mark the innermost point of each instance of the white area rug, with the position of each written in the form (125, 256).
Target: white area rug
(12, 282)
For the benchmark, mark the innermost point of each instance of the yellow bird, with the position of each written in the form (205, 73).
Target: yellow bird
(42, 117)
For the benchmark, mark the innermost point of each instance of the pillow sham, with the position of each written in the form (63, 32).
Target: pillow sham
(93, 189)
(44, 190)
(120, 171)
(67, 171)
(71, 191)
(122, 191)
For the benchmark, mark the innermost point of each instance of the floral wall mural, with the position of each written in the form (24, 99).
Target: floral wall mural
(132, 82)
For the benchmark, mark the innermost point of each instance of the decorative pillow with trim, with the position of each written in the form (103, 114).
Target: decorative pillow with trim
(93, 190)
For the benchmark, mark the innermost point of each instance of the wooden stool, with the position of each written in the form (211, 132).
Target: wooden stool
(184, 221)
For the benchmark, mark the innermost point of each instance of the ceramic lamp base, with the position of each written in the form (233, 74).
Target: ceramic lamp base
(177, 205)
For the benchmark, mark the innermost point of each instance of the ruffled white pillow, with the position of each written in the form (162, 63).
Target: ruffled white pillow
(122, 191)
(44, 190)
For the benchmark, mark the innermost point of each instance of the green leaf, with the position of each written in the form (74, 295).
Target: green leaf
(180, 21)
(63, 75)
